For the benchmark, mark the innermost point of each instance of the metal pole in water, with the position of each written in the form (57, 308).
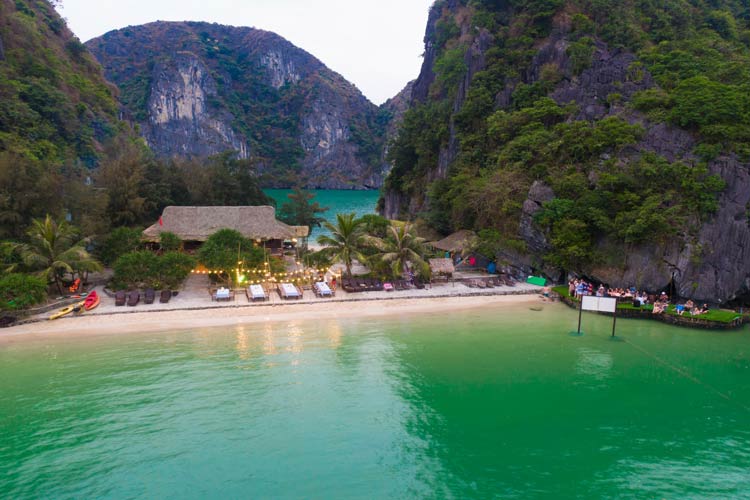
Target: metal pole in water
(580, 313)
(614, 321)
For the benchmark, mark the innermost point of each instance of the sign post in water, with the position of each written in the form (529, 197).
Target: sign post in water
(598, 304)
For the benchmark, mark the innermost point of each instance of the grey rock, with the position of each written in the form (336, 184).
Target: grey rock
(180, 121)
(190, 73)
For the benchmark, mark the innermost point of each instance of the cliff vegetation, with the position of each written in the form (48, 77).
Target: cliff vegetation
(575, 133)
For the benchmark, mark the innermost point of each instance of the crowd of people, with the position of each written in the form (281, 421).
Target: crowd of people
(660, 302)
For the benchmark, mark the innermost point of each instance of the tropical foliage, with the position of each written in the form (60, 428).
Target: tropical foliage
(300, 210)
(54, 250)
(19, 291)
(227, 250)
(507, 133)
(144, 269)
(401, 251)
(345, 241)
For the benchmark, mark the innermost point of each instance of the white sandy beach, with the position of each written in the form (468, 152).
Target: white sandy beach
(193, 308)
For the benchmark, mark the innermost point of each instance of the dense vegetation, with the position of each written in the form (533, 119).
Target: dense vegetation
(56, 110)
(605, 188)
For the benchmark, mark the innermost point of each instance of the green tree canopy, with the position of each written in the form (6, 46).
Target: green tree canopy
(300, 210)
(226, 250)
(54, 249)
(345, 242)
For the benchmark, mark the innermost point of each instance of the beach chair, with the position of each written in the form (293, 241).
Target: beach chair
(322, 289)
(222, 294)
(256, 292)
(164, 296)
(133, 298)
(120, 297)
(289, 291)
(149, 296)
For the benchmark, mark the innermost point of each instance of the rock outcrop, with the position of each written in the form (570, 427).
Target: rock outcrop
(198, 89)
(710, 264)
(179, 121)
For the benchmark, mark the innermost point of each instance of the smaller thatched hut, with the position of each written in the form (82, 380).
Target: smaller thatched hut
(457, 242)
(442, 267)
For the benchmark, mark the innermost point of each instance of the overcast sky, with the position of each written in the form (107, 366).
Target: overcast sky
(376, 45)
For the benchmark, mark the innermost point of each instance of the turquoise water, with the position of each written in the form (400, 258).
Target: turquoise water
(337, 201)
(475, 404)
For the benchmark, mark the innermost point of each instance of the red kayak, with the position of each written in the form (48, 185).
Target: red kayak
(92, 300)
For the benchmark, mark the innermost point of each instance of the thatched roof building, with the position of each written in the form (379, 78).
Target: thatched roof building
(442, 266)
(456, 242)
(196, 224)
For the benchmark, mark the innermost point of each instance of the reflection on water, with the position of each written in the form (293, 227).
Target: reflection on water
(593, 364)
(472, 405)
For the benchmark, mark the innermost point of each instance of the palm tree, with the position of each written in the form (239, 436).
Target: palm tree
(401, 248)
(345, 240)
(55, 249)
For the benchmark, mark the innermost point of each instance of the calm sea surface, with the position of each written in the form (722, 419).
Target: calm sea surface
(477, 404)
(337, 201)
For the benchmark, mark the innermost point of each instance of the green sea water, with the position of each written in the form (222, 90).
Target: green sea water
(496, 403)
(337, 200)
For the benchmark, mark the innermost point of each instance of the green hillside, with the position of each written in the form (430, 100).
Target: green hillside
(549, 101)
(56, 111)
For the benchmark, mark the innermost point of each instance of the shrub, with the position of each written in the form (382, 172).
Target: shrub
(136, 270)
(580, 53)
(170, 242)
(223, 249)
(174, 268)
(119, 242)
(19, 291)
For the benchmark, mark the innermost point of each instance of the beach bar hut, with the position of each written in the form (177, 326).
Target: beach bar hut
(441, 268)
(195, 224)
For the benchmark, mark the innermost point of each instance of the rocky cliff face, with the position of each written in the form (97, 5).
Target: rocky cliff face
(712, 264)
(179, 120)
(199, 89)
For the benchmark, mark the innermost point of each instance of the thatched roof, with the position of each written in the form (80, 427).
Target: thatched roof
(456, 242)
(198, 223)
(442, 266)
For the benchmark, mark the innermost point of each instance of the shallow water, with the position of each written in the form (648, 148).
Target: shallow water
(338, 201)
(474, 404)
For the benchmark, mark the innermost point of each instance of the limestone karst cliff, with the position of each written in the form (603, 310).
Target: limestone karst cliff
(198, 89)
(606, 139)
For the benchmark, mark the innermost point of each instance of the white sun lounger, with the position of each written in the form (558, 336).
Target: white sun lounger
(289, 291)
(257, 292)
(323, 289)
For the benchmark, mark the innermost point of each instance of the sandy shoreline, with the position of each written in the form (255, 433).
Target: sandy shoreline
(154, 321)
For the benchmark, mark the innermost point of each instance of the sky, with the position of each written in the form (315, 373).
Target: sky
(376, 45)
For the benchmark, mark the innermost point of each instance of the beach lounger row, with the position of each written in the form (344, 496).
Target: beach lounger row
(133, 297)
(491, 282)
(354, 285)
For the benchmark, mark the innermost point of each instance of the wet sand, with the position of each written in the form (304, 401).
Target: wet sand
(123, 320)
